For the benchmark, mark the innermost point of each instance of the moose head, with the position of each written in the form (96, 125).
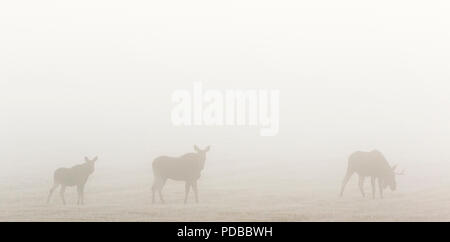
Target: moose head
(202, 154)
(90, 162)
(389, 179)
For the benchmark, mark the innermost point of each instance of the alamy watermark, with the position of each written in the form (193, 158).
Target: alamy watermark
(231, 107)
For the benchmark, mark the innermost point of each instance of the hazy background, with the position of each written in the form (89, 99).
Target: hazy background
(96, 78)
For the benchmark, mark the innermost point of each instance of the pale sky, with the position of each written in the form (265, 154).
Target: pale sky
(96, 77)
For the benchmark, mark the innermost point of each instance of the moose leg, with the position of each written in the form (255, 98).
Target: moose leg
(80, 190)
(345, 181)
(79, 194)
(61, 193)
(153, 193)
(158, 184)
(361, 185)
(154, 188)
(163, 182)
(372, 181)
(194, 187)
(187, 187)
(51, 192)
(380, 187)
(82, 194)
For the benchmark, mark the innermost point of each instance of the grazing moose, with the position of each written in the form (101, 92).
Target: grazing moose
(75, 176)
(186, 168)
(374, 165)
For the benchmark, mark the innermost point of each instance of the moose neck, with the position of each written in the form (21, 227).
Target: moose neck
(89, 168)
(202, 159)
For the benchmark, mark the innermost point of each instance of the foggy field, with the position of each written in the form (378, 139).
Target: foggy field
(227, 196)
(132, 81)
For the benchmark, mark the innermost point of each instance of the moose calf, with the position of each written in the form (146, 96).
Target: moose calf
(75, 176)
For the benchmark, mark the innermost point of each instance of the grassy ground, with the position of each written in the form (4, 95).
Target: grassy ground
(225, 197)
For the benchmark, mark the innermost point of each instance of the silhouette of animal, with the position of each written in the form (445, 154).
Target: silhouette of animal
(75, 176)
(374, 165)
(186, 168)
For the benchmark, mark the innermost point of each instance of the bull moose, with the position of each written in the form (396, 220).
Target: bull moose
(371, 164)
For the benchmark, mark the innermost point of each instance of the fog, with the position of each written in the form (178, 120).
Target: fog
(91, 78)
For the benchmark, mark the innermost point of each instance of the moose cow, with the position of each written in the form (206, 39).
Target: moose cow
(186, 168)
(75, 176)
(374, 165)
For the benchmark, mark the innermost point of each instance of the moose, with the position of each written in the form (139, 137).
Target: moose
(371, 164)
(75, 176)
(185, 168)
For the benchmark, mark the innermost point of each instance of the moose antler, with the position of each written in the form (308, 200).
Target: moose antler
(400, 173)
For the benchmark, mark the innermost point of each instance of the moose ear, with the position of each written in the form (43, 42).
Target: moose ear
(207, 148)
(196, 148)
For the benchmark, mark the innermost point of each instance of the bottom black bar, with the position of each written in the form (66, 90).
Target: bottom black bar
(224, 231)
